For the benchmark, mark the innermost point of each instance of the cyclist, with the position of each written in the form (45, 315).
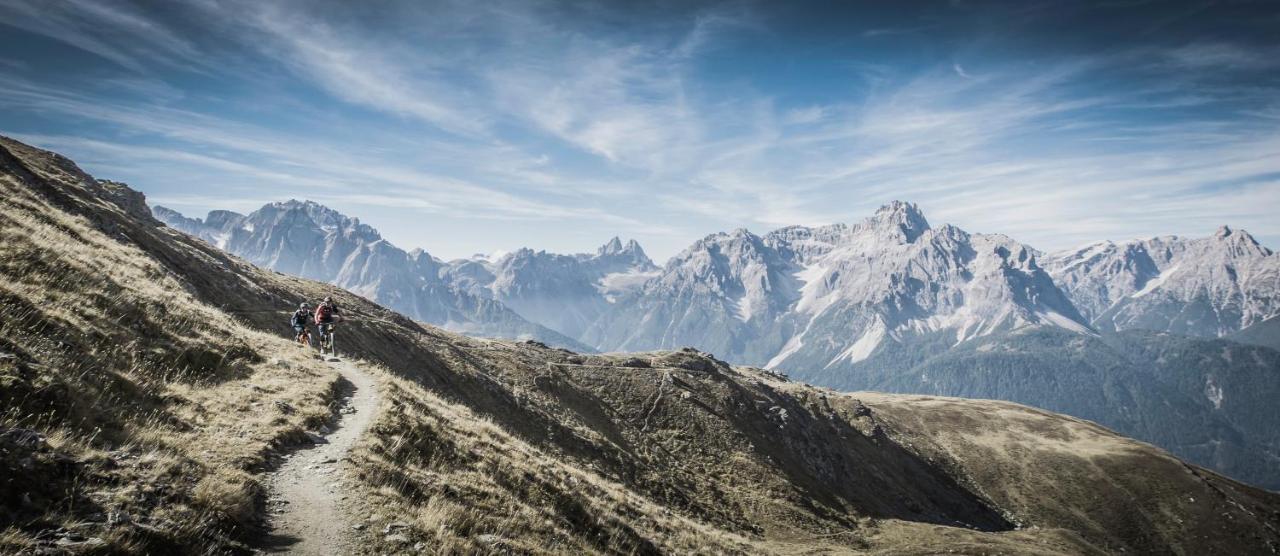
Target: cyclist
(327, 313)
(300, 321)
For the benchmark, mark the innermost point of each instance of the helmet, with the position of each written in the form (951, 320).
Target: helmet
(328, 299)
(304, 305)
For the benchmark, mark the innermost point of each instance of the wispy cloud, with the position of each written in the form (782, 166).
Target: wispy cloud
(279, 160)
(1223, 56)
(515, 116)
(117, 32)
(360, 71)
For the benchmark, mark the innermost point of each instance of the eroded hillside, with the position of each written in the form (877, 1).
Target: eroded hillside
(142, 369)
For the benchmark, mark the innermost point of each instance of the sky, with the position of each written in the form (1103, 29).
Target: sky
(473, 127)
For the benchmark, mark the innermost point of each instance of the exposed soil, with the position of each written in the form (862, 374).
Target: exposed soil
(308, 493)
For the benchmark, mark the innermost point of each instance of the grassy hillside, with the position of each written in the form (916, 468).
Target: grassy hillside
(142, 370)
(135, 414)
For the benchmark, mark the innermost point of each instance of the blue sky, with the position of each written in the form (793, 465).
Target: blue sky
(465, 128)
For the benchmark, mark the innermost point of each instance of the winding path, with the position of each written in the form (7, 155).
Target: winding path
(308, 515)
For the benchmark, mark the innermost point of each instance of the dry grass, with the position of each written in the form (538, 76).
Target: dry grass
(483, 477)
(152, 405)
(467, 485)
(232, 495)
(502, 447)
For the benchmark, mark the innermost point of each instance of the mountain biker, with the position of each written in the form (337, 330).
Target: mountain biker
(327, 313)
(299, 321)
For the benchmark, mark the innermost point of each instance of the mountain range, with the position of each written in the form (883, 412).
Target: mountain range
(823, 300)
(1144, 336)
(135, 423)
(312, 241)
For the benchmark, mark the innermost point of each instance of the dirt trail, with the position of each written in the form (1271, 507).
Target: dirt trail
(307, 499)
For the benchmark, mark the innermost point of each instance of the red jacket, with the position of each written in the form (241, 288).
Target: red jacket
(330, 316)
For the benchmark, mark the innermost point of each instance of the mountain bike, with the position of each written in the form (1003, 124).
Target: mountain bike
(304, 338)
(326, 339)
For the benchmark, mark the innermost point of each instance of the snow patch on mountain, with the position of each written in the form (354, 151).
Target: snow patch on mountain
(814, 297)
(793, 345)
(1061, 321)
(1213, 392)
(1155, 283)
(862, 349)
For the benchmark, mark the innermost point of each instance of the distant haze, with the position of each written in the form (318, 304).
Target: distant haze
(471, 129)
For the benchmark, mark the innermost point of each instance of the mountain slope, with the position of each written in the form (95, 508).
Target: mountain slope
(490, 446)
(1207, 287)
(705, 296)
(312, 241)
(137, 413)
(893, 304)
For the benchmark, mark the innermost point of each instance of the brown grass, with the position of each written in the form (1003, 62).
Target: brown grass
(154, 405)
(232, 495)
(467, 485)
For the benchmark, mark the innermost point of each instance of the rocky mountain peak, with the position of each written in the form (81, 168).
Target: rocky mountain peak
(1013, 254)
(1228, 277)
(220, 218)
(612, 247)
(165, 213)
(127, 198)
(901, 217)
(1240, 242)
(316, 210)
(615, 253)
(330, 221)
